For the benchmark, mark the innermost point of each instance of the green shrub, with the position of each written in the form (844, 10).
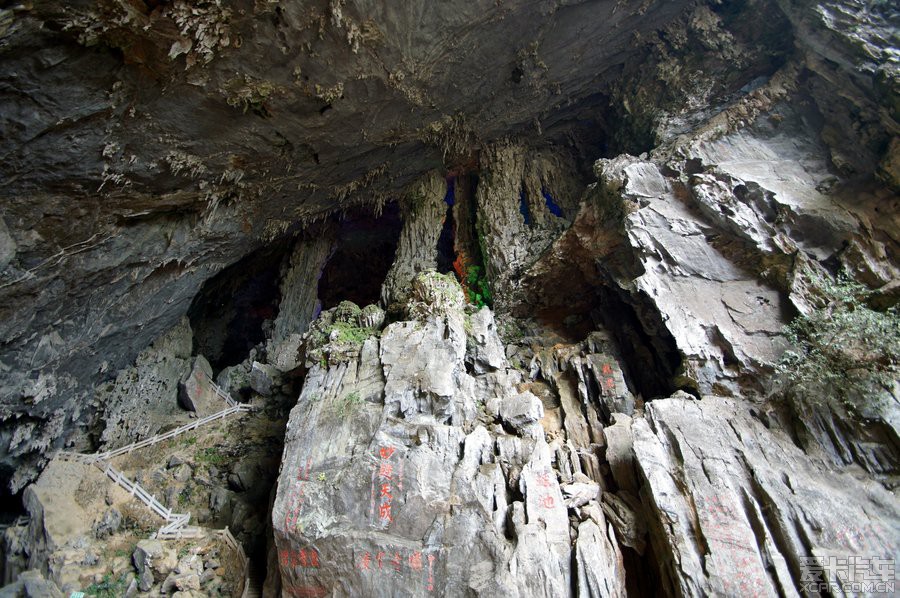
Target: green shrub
(348, 404)
(843, 354)
(477, 287)
(109, 587)
(350, 334)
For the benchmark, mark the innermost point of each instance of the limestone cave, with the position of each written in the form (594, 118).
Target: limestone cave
(502, 298)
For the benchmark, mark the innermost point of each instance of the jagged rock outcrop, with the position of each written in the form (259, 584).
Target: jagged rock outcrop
(515, 223)
(397, 479)
(142, 398)
(196, 392)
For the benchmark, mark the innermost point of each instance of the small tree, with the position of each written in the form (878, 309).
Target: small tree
(842, 354)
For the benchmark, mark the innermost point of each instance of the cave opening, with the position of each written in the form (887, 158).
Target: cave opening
(572, 303)
(467, 249)
(551, 203)
(363, 253)
(446, 253)
(523, 207)
(230, 313)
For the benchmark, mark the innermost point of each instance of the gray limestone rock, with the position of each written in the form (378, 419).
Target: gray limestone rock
(196, 392)
(423, 216)
(620, 453)
(153, 562)
(7, 246)
(735, 505)
(372, 317)
(401, 492)
(521, 410)
(263, 378)
(110, 523)
(235, 379)
(624, 512)
(601, 572)
(143, 397)
(298, 298)
(31, 584)
(516, 225)
(485, 352)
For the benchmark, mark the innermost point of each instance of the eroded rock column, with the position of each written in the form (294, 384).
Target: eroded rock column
(299, 297)
(423, 217)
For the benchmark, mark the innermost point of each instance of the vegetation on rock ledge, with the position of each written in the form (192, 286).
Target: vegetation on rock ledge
(844, 354)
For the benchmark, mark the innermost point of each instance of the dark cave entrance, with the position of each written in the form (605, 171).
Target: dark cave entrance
(446, 253)
(573, 304)
(230, 313)
(462, 217)
(364, 251)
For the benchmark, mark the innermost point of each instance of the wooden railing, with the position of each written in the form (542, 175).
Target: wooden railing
(230, 540)
(236, 408)
(176, 523)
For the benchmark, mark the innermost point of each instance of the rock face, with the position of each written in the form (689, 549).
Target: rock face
(515, 222)
(396, 479)
(150, 388)
(736, 506)
(196, 391)
(635, 198)
(299, 303)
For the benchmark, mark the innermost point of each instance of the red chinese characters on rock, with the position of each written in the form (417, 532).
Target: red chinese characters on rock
(296, 497)
(545, 499)
(608, 380)
(307, 558)
(727, 532)
(430, 585)
(384, 481)
(399, 562)
(305, 591)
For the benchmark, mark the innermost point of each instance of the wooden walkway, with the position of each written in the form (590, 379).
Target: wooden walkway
(176, 526)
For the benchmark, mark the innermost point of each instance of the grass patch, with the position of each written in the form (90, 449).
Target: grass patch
(184, 497)
(109, 587)
(211, 456)
(351, 335)
(348, 404)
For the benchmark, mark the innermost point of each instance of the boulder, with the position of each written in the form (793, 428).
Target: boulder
(31, 584)
(264, 378)
(371, 317)
(522, 410)
(110, 523)
(620, 452)
(485, 352)
(153, 561)
(196, 391)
